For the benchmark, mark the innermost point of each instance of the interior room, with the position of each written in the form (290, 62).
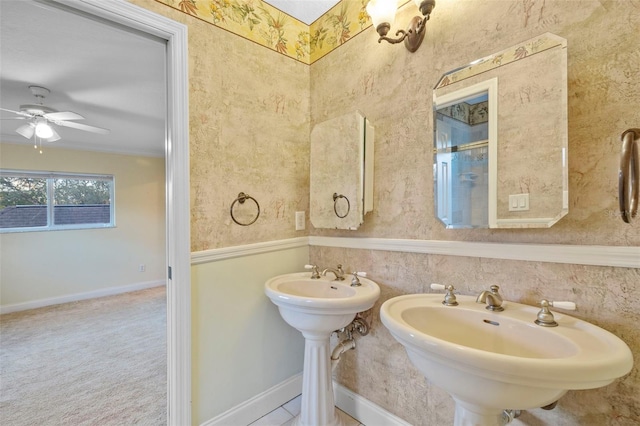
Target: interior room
(260, 81)
(81, 294)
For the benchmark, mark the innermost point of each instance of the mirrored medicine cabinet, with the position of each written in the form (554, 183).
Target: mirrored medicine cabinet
(500, 139)
(341, 172)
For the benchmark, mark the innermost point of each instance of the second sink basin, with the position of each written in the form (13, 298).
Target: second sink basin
(496, 333)
(490, 361)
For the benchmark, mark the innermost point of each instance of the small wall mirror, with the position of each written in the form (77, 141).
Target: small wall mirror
(341, 181)
(500, 139)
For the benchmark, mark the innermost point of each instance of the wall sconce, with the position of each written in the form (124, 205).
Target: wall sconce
(383, 13)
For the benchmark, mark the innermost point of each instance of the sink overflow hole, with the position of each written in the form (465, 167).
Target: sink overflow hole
(335, 288)
(491, 322)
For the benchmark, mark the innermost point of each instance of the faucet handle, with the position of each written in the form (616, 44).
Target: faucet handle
(315, 274)
(545, 317)
(568, 306)
(355, 282)
(450, 297)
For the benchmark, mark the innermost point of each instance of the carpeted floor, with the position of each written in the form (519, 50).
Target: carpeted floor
(95, 362)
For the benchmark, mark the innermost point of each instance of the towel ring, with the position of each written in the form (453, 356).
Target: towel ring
(336, 197)
(629, 175)
(242, 197)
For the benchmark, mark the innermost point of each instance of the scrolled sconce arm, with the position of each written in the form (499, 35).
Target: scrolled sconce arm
(394, 40)
(411, 30)
(412, 36)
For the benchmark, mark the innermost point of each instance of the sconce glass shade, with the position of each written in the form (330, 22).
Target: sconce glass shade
(425, 6)
(382, 11)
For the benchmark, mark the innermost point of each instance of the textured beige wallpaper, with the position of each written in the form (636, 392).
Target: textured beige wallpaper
(393, 88)
(249, 132)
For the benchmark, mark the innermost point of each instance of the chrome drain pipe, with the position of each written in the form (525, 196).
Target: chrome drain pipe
(508, 416)
(358, 325)
(341, 348)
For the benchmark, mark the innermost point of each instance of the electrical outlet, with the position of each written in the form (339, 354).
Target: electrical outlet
(300, 225)
(142, 267)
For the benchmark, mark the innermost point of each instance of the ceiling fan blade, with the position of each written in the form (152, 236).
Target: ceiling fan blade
(26, 130)
(22, 113)
(13, 118)
(63, 115)
(85, 127)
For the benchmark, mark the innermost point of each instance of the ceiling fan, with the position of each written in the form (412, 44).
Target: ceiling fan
(40, 118)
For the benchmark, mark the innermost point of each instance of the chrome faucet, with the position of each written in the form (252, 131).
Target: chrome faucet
(492, 298)
(339, 273)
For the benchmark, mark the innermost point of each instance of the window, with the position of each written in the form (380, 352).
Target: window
(38, 201)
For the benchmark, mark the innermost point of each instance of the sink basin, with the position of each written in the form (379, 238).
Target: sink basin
(317, 307)
(300, 293)
(492, 361)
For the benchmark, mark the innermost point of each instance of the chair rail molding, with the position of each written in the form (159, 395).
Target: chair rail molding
(616, 256)
(594, 255)
(213, 255)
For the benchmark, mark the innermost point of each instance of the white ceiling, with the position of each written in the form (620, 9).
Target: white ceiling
(306, 11)
(111, 76)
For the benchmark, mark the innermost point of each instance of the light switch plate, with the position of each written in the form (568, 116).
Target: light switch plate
(300, 221)
(518, 202)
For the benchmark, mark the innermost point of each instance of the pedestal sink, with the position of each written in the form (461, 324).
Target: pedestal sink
(317, 307)
(492, 361)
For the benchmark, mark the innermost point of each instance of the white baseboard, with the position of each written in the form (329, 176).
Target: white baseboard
(363, 410)
(356, 406)
(111, 291)
(260, 405)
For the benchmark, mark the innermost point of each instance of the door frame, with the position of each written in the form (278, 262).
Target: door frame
(178, 241)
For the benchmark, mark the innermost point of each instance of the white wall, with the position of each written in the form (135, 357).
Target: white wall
(37, 267)
(241, 345)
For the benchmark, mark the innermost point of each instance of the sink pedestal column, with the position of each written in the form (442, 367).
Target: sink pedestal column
(472, 415)
(318, 407)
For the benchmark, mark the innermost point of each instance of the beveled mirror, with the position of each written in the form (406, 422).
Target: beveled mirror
(341, 172)
(500, 139)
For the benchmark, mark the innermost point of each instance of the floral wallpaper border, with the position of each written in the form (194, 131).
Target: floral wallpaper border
(520, 51)
(262, 23)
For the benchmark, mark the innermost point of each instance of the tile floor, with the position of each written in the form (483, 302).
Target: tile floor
(283, 416)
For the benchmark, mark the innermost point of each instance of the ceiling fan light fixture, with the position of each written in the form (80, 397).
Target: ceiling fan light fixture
(54, 136)
(43, 129)
(26, 130)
